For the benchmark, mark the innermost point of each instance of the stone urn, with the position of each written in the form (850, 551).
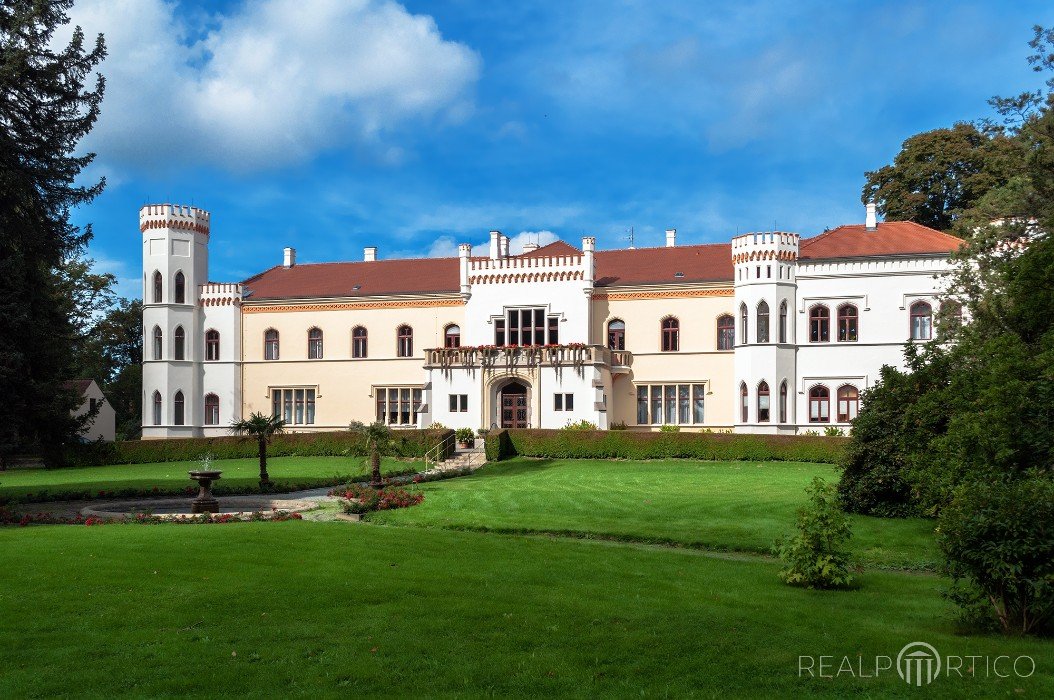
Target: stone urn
(205, 502)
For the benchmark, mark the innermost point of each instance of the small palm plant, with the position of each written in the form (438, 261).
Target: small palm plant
(260, 428)
(377, 436)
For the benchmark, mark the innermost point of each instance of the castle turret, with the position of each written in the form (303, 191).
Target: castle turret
(765, 292)
(175, 265)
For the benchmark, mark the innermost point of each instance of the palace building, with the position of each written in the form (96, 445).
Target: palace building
(770, 333)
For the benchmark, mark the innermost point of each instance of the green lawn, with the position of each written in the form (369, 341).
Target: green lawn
(172, 476)
(323, 609)
(738, 506)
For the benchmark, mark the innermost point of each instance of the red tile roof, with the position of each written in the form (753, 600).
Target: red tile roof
(891, 238)
(357, 279)
(555, 249)
(697, 263)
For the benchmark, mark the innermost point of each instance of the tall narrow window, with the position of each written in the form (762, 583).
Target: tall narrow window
(763, 322)
(554, 330)
(271, 344)
(921, 321)
(405, 342)
(847, 323)
(540, 327)
(177, 405)
(848, 403)
(763, 402)
(159, 343)
(452, 336)
(783, 322)
(671, 335)
(744, 403)
(726, 332)
(157, 408)
(499, 332)
(617, 334)
(744, 318)
(158, 284)
(180, 341)
(783, 401)
(358, 342)
(819, 324)
(819, 405)
(212, 409)
(181, 288)
(212, 345)
(314, 344)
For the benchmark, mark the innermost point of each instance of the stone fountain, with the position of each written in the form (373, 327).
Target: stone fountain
(205, 502)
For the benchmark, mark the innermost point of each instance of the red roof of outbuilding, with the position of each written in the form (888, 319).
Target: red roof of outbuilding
(696, 263)
(890, 238)
(357, 279)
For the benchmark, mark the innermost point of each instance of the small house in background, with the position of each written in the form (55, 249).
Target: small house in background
(104, 425)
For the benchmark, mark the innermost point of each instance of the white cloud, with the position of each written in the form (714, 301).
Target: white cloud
(272, 82)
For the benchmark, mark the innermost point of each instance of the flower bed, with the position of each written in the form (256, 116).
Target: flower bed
(8, 517)
(358, 499)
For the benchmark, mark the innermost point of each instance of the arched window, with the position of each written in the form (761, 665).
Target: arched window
(819, 324)
(452, 336)
(783, 322)
(744, 318)
(763, 322)
(180, 343)
(783, 401)
(671, 335)
(951, 318)
(726, 332)
(405, 341)
(744, 403)
(921, 321)
(358, 342)
(848, 403)
(177, 414)
(617, 334)
(763, 402)
(181, 288)
(847, 323)
(314, 344)
(159, 343)
(819, 405)
(271, 344)
(212, 345)
(158, 284)
(157, 408)
(212, 409)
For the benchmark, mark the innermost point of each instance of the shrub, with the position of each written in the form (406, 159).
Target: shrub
(580, 425)
(670, 429)
(833, 431)
(465, 435)
(405, 443)
(998, 542)
(817, 557)
(621, 425)
(625, 444)
(358, 499)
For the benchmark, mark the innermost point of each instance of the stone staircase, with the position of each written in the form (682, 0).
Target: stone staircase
(472, 458)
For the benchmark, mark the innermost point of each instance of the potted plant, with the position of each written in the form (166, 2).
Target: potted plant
(465, 438)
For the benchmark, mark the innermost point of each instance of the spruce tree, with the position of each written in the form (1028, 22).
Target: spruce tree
(49, 100)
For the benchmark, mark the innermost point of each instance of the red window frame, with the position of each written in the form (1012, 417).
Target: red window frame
(671, 335)
(359, 342)
(820, 398)
(405, 342)
(819, 324)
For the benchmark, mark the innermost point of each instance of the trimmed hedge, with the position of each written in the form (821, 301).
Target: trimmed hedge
(405, 443)
(606, 444)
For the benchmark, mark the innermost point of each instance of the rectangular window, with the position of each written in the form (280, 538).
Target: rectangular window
(514, 327)
(400, 405)
(294, 406)
(670, 404)
(458, 403)
(554, 330)
(558, 402)
(563, 402)
(526, 327)
(499, 331)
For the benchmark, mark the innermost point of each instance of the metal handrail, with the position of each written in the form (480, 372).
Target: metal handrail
(439, 449)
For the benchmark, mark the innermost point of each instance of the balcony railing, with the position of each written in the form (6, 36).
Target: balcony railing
(572, 354)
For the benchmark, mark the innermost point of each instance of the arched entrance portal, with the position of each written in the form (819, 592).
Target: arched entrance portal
(514, 406)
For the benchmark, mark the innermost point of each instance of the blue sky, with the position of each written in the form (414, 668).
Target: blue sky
(330, 125)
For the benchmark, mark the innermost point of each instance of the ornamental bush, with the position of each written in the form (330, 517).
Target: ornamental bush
(818, 556)
(997, 538)
(626, 444)
(358, 499)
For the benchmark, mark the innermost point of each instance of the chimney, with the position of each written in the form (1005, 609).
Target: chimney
(495, 245)
(589, 246)
(369, 254)
(504, 246)
(463, 252)
(871, 223)
(290, 258)
(671, 237)
(529, 247)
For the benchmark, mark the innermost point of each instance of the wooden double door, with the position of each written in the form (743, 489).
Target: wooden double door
(514, 410)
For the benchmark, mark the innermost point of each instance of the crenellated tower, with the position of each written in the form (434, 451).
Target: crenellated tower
(765, 294)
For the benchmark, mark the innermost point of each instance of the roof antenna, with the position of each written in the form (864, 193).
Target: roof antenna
(630, 238)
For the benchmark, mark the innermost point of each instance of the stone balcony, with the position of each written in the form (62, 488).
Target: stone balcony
(490, 356)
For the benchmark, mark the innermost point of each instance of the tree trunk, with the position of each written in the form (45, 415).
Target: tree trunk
(375, 468)
(265, 480)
